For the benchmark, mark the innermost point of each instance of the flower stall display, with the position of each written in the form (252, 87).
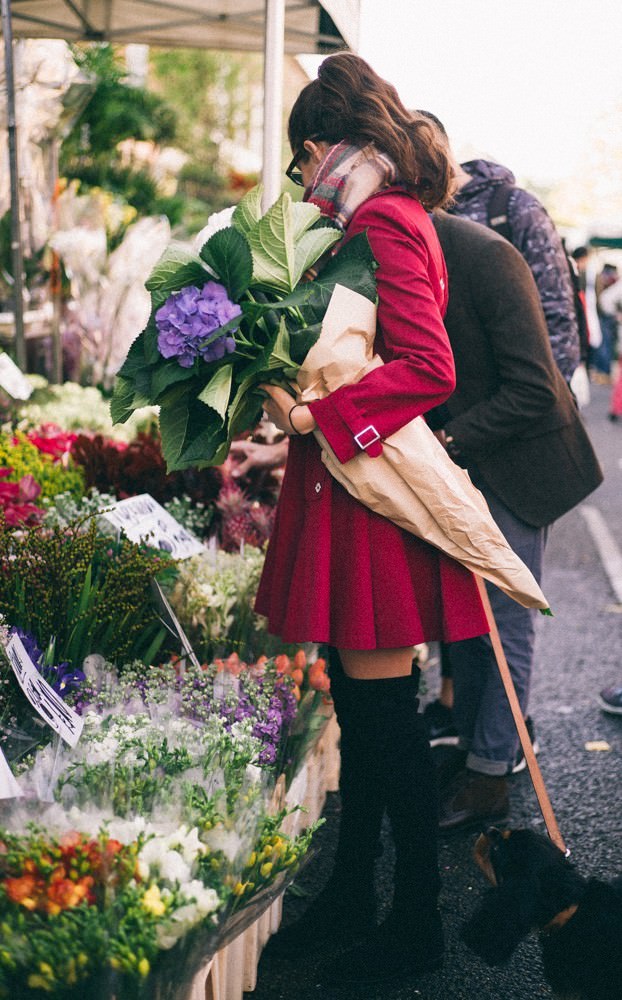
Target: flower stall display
(23, 457)
(161, 837)
(213, 598)
(73, 592)
(78, 408)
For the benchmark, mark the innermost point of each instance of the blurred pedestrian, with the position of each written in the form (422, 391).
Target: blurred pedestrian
(336, 572)
(602, 355)
(512, 422)
(610, 304)
(487, 193)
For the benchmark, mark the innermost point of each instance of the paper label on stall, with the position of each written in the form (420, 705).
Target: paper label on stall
(12, 379)
(9, 788)
(43, 698)
(143, 519)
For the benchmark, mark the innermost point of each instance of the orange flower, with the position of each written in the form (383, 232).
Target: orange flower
(318, 678)
(300, 659)
(234, 665)
(23, 890)
(298, 676)
(282, 664)
(64, 894)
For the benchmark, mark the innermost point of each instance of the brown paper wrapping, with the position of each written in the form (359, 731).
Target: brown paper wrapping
(414, 482)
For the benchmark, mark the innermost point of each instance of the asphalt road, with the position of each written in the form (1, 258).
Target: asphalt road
(579, 652)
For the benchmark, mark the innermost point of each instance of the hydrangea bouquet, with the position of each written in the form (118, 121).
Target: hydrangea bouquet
(238, 312)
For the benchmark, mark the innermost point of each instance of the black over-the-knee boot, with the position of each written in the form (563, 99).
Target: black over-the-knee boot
(346, 908)
(410, 941)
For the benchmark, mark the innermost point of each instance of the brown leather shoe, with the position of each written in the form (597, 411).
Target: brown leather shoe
(449, 762)
(474, 798)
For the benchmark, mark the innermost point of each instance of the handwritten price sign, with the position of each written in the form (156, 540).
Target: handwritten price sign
(43, 698)
(142, 519)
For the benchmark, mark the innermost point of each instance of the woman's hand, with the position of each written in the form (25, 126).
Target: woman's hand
(278, 407)
(258, 456)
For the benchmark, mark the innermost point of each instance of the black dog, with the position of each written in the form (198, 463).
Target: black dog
(536, 888)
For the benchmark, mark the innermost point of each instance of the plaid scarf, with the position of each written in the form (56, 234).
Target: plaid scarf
(348, 176)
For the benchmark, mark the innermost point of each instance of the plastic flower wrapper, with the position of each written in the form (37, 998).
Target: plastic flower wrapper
(194, 805)
(237, 313)
(213, 598)
(21, 727)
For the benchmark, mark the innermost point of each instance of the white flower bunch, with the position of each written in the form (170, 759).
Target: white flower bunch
(74, 407)
(214, 588)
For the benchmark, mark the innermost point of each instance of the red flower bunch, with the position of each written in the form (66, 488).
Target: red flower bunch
(52, 440)
(16, 500)
(139, 467)
(57, 876)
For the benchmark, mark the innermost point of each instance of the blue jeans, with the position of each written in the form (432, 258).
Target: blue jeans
(481, 711)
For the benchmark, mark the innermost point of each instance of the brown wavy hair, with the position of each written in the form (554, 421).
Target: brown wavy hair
(349, 101)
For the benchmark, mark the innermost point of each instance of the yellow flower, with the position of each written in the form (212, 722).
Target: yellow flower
(152, 901)
(252, 860)
(143, 967)
(46, 970)
(36, 982)
(239, 888)
(266, 869)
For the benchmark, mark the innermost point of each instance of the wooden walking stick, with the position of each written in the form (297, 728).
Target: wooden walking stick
(534, 768)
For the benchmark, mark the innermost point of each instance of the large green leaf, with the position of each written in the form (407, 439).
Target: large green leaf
(150, 344)
(208, 447)
(174, 418)
(272, 245)
(176, 268)
(301, 340)
(310, 247)
(135, 359)
(228, 254)
(218, 390)
(248, 211)
(280, 354)
(166, 375)
(305, 215)
(122, 399)
(353, 267)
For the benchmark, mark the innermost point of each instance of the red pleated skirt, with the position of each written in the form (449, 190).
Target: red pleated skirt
(338, 573)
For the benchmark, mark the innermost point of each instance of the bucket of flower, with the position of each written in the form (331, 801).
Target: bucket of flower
(134, 856)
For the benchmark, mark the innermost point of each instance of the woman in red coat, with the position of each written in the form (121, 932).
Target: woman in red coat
(340, 574)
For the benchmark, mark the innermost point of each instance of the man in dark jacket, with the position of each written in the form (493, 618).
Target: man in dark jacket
(530, 229)
(513, 423)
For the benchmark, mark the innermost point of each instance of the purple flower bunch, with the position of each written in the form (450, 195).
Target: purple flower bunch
(189, 321)
(62, 677)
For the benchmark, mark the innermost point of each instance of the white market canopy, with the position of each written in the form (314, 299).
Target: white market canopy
(206, 24)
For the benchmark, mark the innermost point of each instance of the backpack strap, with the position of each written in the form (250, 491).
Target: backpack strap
(498, 218)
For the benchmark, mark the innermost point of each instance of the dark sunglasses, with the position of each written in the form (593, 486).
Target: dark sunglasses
(295, 175)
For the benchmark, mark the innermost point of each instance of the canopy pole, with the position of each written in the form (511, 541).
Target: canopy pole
(274, 49)
(16, 236)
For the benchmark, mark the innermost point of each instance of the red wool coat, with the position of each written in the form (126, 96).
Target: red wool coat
(335, 571)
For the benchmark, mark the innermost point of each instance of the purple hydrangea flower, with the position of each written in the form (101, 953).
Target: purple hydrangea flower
(189, 321)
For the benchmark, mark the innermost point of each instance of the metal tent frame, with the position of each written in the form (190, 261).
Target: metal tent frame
(274, 26)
